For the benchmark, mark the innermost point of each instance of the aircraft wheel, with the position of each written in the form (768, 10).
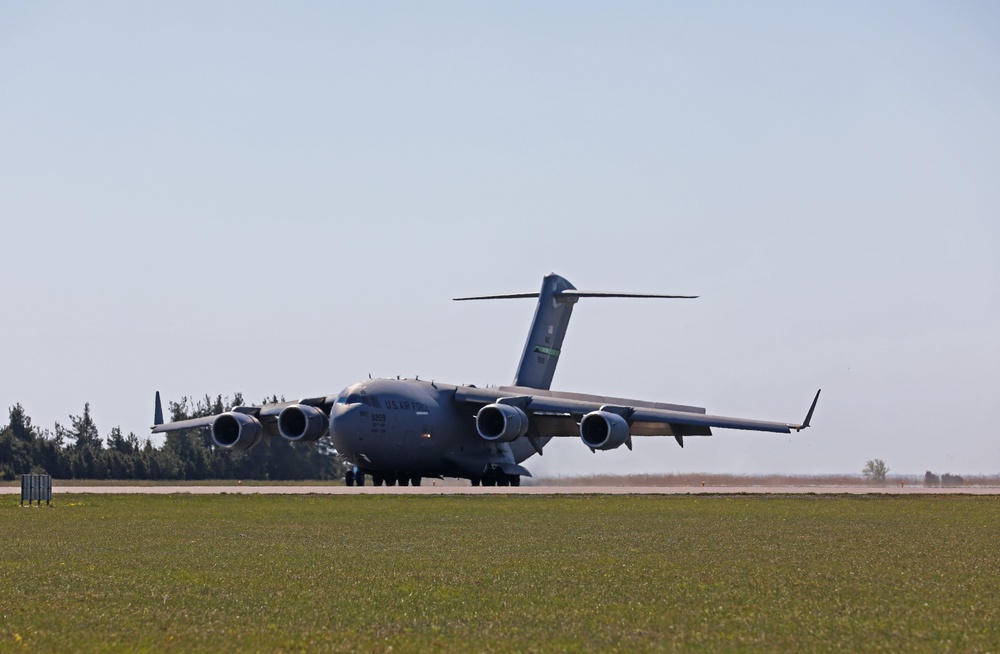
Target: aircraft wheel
(359, 479)
(349, 478)
(377, 480)
(415, 480)
(515, 480)
(489, 480)
(390, 480)
(503, 479)
(476, 481)
(404, 480)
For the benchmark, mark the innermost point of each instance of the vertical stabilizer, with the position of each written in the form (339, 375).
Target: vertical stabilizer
(542, 349)
(157, 411)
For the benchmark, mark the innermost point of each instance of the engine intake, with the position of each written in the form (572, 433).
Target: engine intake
(301, 423)
(501, 423)
(236, 431)
(602, 430)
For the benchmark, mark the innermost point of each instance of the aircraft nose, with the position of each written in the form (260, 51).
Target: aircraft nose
(347, 419)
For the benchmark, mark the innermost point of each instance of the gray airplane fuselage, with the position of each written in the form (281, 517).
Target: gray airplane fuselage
(415, 427)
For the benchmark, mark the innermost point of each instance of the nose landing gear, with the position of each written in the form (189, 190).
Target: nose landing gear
(354, 477)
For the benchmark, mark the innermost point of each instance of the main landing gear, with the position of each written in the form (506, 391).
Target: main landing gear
(356, 477)
(352, 478)
(497, 478)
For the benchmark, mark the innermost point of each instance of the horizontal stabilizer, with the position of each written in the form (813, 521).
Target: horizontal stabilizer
(509, 296)
(633, 295)
(567, 294)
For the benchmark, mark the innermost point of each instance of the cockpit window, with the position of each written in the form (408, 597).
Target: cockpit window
(354, 398)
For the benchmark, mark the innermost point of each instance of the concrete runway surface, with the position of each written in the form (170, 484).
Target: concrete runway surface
(522, 490)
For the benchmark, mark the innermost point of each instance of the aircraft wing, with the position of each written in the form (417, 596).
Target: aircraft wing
(184, 424)
(267, 414)
(558, 414)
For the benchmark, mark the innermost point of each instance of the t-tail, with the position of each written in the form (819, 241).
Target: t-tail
(545, 339)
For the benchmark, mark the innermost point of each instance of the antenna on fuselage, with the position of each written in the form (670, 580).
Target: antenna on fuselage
(548, 328)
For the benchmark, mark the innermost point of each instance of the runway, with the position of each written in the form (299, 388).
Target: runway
(522, 490)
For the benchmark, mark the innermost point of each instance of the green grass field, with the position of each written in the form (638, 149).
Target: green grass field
(501, 573)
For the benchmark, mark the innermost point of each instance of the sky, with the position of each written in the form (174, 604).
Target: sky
(282, 198)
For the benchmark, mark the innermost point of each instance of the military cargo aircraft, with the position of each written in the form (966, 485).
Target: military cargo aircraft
(404, 430)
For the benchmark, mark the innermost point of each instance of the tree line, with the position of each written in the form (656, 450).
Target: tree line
(77, 450)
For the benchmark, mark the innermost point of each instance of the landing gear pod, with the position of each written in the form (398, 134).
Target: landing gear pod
(601, 430)
(301, 423)
(501, 423)
(236, 431)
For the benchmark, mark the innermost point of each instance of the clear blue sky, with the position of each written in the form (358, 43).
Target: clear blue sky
(283, 197)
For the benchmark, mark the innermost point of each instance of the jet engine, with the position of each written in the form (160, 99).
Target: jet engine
(301, 423)
(501, 422)
(236, 431)
(602, 430)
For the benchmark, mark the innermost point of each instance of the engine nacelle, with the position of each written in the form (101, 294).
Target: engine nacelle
(301, 423)
(602, 430)
(501, 423)
(236, 431)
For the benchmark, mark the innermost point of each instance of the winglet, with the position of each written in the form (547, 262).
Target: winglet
(158, 411)
(810, 414)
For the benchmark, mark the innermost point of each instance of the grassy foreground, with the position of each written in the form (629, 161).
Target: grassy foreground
(501, 573)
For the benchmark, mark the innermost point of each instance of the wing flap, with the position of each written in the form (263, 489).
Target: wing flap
(554, 426)
(695, 421)
(646, 428)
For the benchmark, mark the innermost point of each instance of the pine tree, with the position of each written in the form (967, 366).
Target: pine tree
(17, 445)
(83, 432)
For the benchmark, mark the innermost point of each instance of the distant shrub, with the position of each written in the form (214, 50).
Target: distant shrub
(948, 479)
(930, 479)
